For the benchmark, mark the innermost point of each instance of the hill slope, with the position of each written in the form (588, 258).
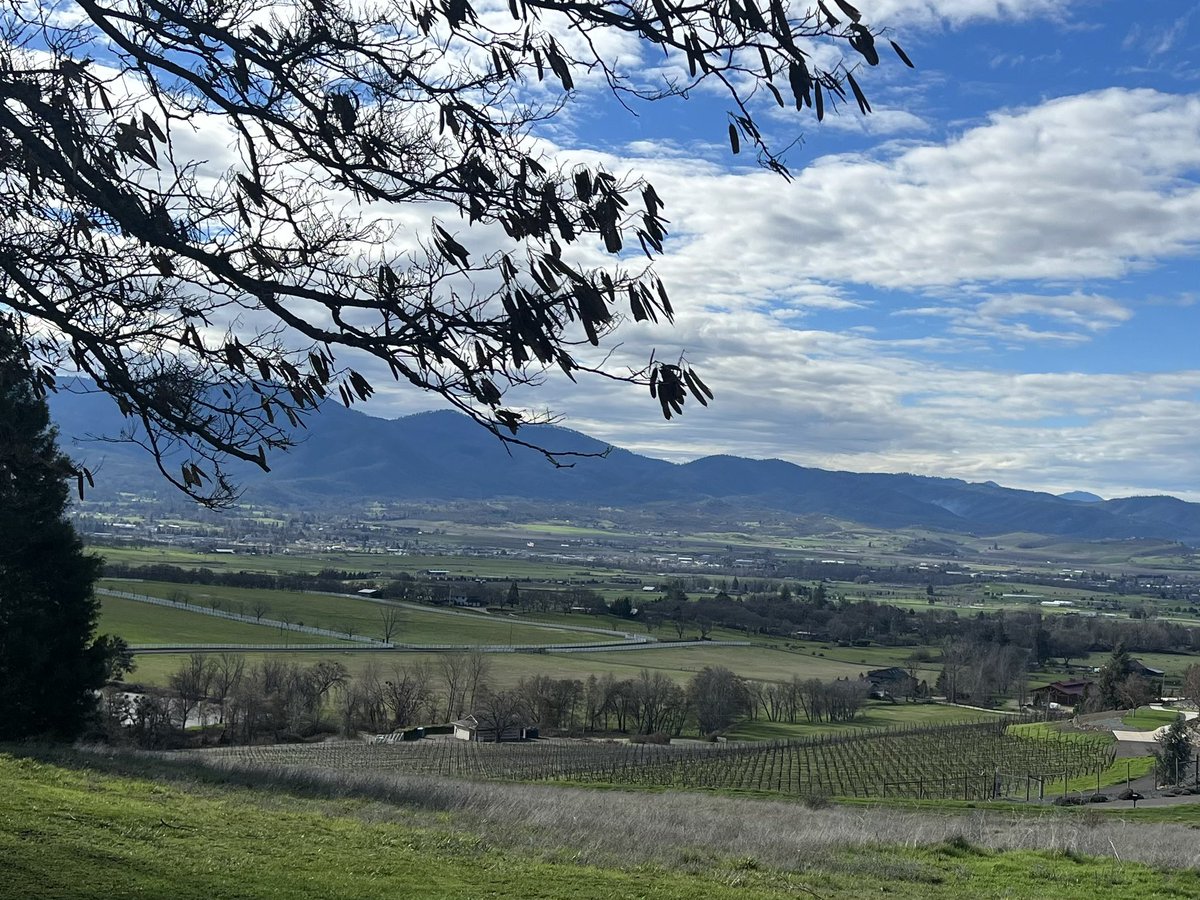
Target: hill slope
(346, 456)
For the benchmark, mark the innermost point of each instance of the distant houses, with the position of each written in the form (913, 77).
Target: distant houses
(1072, 692)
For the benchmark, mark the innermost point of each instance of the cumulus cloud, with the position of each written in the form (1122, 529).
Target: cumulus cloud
(1025, 195)
(1015, 317)
(959, 12)
(983, 231)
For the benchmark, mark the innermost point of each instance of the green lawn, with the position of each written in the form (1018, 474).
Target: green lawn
(144, 623)
(760, 663)
(80, 833)
(1146, 719)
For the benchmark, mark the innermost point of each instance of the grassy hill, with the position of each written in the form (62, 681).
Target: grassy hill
(80, 826)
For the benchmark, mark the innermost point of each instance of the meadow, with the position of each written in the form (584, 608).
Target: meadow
(143, 623)
(416, 625)
(506, 669)
(82, 825)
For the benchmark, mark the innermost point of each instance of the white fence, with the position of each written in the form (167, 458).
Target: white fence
(242, 617)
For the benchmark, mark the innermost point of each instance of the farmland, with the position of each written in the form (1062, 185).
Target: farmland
(508, 668)
(965, 761)
(140, 623)
(416, 625)
(87, 826)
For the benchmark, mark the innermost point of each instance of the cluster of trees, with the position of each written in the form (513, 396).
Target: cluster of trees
(271, 699)
(1118, 686)
(979, 672)
(333, 580)
(275, 700)
(812, 699)
(811, 611)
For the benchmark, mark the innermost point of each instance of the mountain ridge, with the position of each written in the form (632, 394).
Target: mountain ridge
(351, 457)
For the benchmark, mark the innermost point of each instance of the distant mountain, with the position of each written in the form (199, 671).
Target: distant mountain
(348, 457)
(1081, 497)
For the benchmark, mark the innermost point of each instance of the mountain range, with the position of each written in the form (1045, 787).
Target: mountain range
(348, 457)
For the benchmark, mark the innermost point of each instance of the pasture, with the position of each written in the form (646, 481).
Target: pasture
(143, 623)
(90, 826)
(506, 668)
(416, 625)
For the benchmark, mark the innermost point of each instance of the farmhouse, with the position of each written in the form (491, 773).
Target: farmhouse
(891, 682)
(471, 729)
(1137, 667)
(1062, 693)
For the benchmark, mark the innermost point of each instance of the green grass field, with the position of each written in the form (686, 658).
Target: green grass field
(144, 623)
(81, 830)
(416, 625)
(508, 668)
(874, 715)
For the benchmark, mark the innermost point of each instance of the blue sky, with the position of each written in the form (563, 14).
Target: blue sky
(993, 277)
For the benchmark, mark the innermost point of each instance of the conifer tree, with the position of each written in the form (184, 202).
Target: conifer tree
(51, 663)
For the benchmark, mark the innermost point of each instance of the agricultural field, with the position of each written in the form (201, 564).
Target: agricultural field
(88, 826)
(978, 760)
(760, 663)
(144, 623)
(417, 625)
(873, 715)
(507, 669)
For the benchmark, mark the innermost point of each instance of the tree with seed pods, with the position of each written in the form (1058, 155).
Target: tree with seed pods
(377, 207)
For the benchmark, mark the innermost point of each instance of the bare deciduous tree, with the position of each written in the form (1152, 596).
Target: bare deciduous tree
(124, 254)
(389, 621)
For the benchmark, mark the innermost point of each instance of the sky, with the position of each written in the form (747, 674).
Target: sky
(994, 276)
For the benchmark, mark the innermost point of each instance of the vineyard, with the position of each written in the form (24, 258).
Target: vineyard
(971, 761)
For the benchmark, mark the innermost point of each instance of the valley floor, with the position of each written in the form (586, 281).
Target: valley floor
(75, 824)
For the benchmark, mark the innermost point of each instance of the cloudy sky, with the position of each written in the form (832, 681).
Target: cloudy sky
(994, 276)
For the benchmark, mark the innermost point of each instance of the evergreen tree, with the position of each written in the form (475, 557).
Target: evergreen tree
(1172, 753)
(50, 661)
(1112, 676)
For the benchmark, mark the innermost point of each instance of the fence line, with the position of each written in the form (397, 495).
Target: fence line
(628, 636)
(373, 644)
(427, 648)
(242, 617)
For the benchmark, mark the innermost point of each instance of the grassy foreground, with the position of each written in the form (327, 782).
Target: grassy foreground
(77, 832)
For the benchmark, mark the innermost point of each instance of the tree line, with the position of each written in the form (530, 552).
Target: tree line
(225, 698)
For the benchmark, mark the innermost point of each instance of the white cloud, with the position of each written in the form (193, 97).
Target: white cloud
(1012, 317)
(928, 13)
(1025, 195)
